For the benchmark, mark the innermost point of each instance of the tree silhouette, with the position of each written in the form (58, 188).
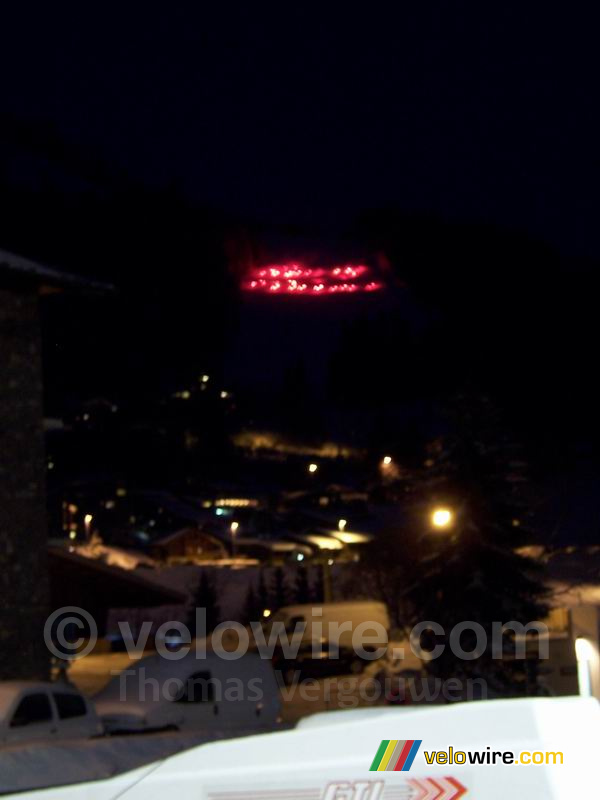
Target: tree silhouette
(302, 592)
(472, 570)
(279, 590)
(253, 606)
(205, 596)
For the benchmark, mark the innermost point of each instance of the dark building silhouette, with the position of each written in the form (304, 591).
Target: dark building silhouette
(98, 587)
(23, 565)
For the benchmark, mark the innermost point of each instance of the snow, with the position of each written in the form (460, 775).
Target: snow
(25, 265)
(114, 556)
(42, 765)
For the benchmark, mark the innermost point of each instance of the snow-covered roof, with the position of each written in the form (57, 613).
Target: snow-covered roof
(123, 588)
(41, 273)
(171, 537)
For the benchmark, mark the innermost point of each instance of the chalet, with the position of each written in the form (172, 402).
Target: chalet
(188, 546)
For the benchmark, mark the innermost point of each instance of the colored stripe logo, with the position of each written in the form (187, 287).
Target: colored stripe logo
(395, 755)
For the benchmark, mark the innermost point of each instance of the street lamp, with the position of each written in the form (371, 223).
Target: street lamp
(388, 469)
(88, 524)
(234, 529)
(313, 467)
(442, 518)
(584, 653)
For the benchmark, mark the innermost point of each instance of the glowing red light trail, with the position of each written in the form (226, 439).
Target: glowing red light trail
(297, 279)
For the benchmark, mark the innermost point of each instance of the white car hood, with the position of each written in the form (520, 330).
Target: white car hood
(330, 761)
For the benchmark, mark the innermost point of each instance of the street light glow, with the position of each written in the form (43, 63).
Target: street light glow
(313, 467)
(342, 524)
(441, 518)
(234, 526)
(387, 460)
(584, 650)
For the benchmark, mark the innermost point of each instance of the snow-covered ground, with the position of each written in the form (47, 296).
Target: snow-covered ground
(39, 765)
(92, 673)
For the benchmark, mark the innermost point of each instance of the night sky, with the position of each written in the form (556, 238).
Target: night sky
(473, 111)
(475, 126)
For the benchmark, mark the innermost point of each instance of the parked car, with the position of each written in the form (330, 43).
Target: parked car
(31, 711)
(323, 634)
(325, 622)
(320, 661)
(191, 693)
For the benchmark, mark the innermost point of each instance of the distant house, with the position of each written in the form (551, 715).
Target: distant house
(23, 569)
(187, 546)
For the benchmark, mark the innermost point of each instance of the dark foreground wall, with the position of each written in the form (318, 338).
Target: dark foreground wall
(23, 585)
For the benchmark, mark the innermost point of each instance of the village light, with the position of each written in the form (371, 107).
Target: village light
(234, 529)
(441, 518)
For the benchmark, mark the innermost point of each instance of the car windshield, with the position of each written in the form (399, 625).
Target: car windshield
(32, 709)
